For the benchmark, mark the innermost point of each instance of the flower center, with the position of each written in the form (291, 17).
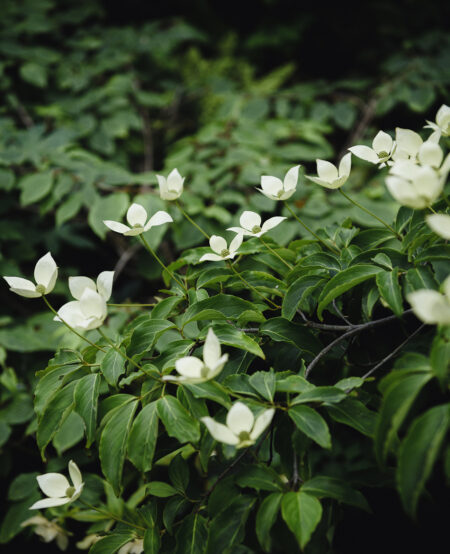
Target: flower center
(383, 154)
(256, 229)
(70, 492)
(225, 252)
(204, 372)
(244, 436)
(137, 226)
(280, 193)
(40, 289)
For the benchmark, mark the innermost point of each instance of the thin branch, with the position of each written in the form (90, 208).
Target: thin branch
(125, 257)
(340, 314)
(366, 118)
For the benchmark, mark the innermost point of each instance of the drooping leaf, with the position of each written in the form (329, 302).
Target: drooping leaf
(86, 403)
(177, 420)
(142, 438)
(302, 513)
(265, 518)
(312, 424)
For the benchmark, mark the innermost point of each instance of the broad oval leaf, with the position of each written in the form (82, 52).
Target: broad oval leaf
(302, 513)
(312, 424)
(142, 438)
(86, 403)
(177, 420)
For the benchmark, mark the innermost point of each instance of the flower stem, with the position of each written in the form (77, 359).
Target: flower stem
(161, 263)
(111, 516)
(361, 207)
(191, 220)
(119, 351)
(431, 210)
(334, 250)
(52, 309)
(275, 253)
(247, 284)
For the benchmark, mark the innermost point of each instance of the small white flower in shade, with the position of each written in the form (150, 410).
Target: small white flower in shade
(58, 489)
(137, 219)
(440, 224)
(408, 144)
(103, 287)
(135, 546)
(431, 306)
(85, 314)
(88, 541)
(276, 189)
(193, 370)
(45, 274)
(382, 149)
(328, 174)
(172, 187)
(414, 186)
(442, 124)
(223, 252)
(430, 153)
(241, 429)
(251, 224)
(48, 531)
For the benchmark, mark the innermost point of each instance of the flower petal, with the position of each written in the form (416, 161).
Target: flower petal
(440, 224)
(49, 503)
(92, 304)
(326, 171)
(211, 349)
(431, 153)
(211, 258)
(318, 181)
(240, 418)
(219, 431)
(235, 244)
(404, 192)
(75, 474)
(427, 184)
(217, 244)
(136, 215)
(248, 220)
(365, 153)
(271, 223)
(408, 141)
(271, 185)
(189, 366)
(261, 422)
(54, 485)
(382, 142)
(345, 165)
(134, 232)
(430, 306)
(163, 189)
(291, 178)
(44, 270)
(240, 231)
(22, 284)
(116, 226)
(71, 313)
(77, 286)
(159, 218)
(105, 283)
(35, 520)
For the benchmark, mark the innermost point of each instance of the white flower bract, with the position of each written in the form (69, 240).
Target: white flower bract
(193, 370)
(135, 546)
(45, 275)
(382, 149)
(251, 224)
(328, 174)
(442, 121)
(276, 189)
(172, 187)
(48, 530)
(137, 220)
(241, 429)
(430, 306)
(58, 489)
(221, 249)
(440, 224)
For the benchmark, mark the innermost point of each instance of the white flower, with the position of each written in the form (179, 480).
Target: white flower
(219, 245)
(430, 153)
(408, 144)
(414, 186)
(442, 124)
(45, 274)
(431, 306)
(440, 224)
(89, 310)
(193, 370)
(48, 530)
(135, 546)
(329, 176)
(58, 489)
(382, 149)
(251, 224)
(274, 188)
(88, 541)
(172, 187)
(241, 428)
(137, 218)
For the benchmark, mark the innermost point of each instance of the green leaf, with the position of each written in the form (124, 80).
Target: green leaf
(389, 287)
(299, 289)
(113, 443)
(265, 518)
(143, 437)
(22, 485)
(264, 383)
(34, 73)
(397, 401)
(302, 514)
(69, 208)
(211, 390)
(320, 394)
(280, 329)
(112, 366)
(86, 403)
(160, 489)
(344, 281)
(227, 334)
(111, 543)
(322, 486)
(35, 186)
(440, 359)
(152, 541)
(192, 535)
(55, 413)
(228, 305)
(146, 334)
(311, 424)
(418, 453)
(179, 473)
(177, 420)
(259, 477)
(112, 207)
(70, 433)
(353, 413)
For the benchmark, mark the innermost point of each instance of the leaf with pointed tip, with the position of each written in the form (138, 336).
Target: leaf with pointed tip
(302, 513)
(86, 404)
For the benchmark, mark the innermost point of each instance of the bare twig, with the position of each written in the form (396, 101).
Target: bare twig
(125, 257)
(357, 133)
